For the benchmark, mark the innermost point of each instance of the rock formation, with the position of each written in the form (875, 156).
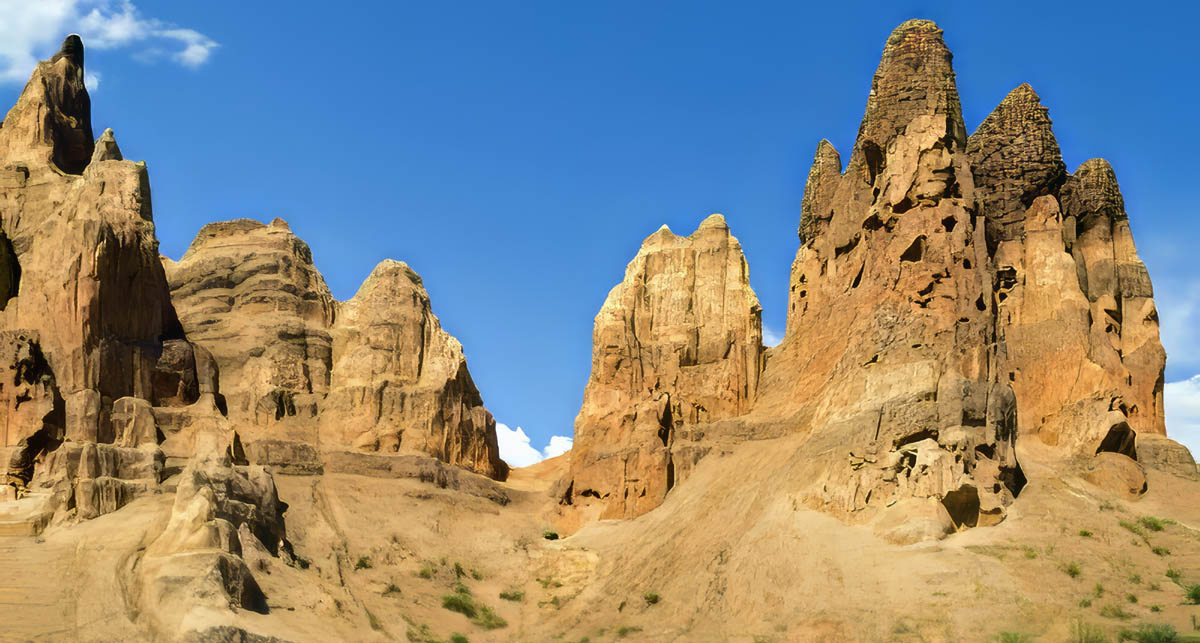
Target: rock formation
(250, 295)
(298, 369)
(678, 343)
(400, 382)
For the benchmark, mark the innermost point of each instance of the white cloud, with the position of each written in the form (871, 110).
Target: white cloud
(771, 337)
(559, 444)
(1183, 412)
(1178, 304)
(516, 450)
(32, 30)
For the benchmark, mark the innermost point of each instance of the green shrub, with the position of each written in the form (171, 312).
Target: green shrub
(392, 588)
(1154, 587)
(1013, 637)
(550, 534)
(1085, 602)
(1098, 590)
(459, 572)
(476, 574)
(514, 595)
(459, 588)
(458, 638)
(1085, 533)
(1193, 594)
(1136, 579)
(1084, 632)
(1147, 633)
(1132, 598)
(487, 619)
(1071, 569)
(426, 571)
(1174, 574)
(626, 631)
(1156, 608)
(364, 562)
(1030, 553)
(1132, 527)
(651, 598)
(1161, 551)
(1152, 523)
(460, 603)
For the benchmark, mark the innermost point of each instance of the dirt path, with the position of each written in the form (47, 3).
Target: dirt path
(35, 605)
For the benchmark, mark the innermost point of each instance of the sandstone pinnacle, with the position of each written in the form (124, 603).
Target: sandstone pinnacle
(72, 49)
(823, 179)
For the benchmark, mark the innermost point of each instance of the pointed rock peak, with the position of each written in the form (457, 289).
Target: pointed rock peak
(72, 50)
(818, 189)
(915, 78)
(107, 148)
(827, 157)
(714, 222)
(280, 223)
(1018, 115)
(662, 236)
(1096, 173)
(390, 270)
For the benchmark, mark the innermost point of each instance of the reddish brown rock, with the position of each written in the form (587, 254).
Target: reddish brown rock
(678, 343)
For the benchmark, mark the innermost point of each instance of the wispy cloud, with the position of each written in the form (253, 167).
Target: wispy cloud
(516, 450)
(1178, 304)
(771, 337)
(31, 30)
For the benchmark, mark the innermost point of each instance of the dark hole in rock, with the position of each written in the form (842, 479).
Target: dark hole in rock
(858, 277)
(979, 303)
(874, 158)
(566, 498)
(915, 251)
(967, 264)
(923, 434)
(1013, 478)
(837, 252)
(1119, 439)
(665, 423)
(670, 474)
(872, 223)
(963, 506)
(903, 206)
(948, 223)
(590, 493)
(985, 450)
(926, 290)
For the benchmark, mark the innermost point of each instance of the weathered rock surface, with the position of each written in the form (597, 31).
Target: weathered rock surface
(250, 295)
(299, 370)
(400, 383)
(889, 358)
(677, 343)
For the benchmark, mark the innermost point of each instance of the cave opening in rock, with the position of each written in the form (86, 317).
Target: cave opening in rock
(963, 506)
(915, 251)
(1119, 439)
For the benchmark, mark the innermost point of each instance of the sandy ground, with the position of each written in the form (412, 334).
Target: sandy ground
(731, 556)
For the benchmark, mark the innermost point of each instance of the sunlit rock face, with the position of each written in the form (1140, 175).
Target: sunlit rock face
(678, 343)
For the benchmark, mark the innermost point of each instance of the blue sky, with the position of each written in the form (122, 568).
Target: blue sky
(515, 154)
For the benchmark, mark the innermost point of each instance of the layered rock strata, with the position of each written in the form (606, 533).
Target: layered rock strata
(678, 343)
(299, 370)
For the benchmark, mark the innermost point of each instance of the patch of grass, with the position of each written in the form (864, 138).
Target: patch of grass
(1115, 611)
(1174, 574)
(1085, 533)
(1136, 579)
(1132, 527)
(547, 583)
(1161, 551)
(651, 598)
(621, 606)
(459, 572)
(1071, 569)
(1107, 506)
(392, 588)
(1013, 637)
(1152, 523)
(514, 595)
(1084, 632)
(419, 633)
(1156, 608)
(550, 534)
(459, 638)
(1147, 633)
(476, 574)
(1098, 590)
(1154, 587)
(626, 631)
(553, 602)
(459, 588)
(1192, 593)
(461, 603)
(364, 562)
(426, 571)
(1132, 598)
(1085, 602)
(1030, 553)
(488, 619)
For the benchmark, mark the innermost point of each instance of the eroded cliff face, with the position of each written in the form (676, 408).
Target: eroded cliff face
(400, 383)
(302, 373)
(678, 343)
